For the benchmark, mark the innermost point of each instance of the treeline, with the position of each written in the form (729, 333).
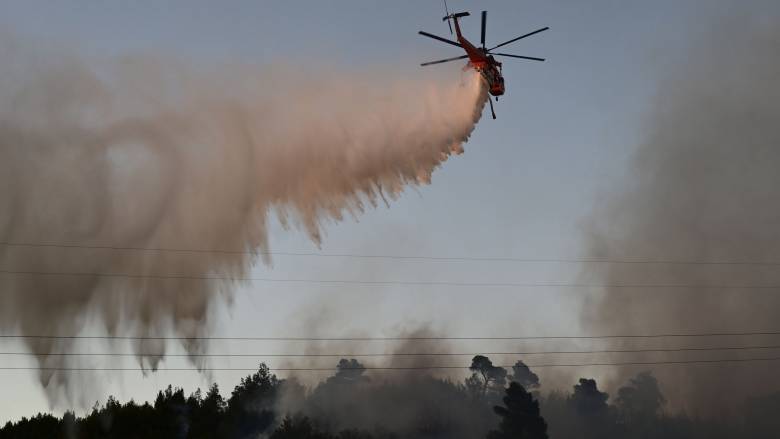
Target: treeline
(493, 403)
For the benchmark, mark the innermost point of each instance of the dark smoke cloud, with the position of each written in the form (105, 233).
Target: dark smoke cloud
(704, 187)
(148, 153)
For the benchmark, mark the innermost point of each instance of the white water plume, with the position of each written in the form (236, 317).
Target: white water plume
(143, 153)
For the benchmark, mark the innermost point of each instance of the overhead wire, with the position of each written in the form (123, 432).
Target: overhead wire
(392, 256)
(399, 338)
(409, 283)
(395, 354)
(394, 368)
(387, 282)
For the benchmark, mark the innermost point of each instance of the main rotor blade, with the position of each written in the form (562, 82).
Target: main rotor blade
(532, 58)
(436, 37)
(520, 38)
(484, 21)
(444, 60)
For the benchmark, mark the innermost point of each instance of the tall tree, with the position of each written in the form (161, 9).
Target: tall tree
(520, 417)
(591, 409)
(299, 427)
(640, 401)
(588, 400)
(172, 412)
(483, 371)
(523, 375)
(349, 370)
(207, 415)
(250, 409)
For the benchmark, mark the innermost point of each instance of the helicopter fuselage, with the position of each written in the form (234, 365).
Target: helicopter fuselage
(485, 64)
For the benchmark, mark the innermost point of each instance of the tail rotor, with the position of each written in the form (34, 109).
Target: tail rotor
(447, 11)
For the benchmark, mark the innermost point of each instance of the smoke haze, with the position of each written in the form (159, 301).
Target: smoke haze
(408, 403)
(147, 153)
(704, 187)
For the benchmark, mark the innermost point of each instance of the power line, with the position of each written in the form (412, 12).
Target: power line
(428, 338)
(392, 368)
(393, 354)
(386, 282)
(394, 257)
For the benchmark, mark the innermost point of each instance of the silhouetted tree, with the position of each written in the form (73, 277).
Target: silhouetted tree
(590, 405)
(520, 418)
(522, 375)
(207, 413)
(588, 400)
(474, 386)
(358, 434)
(39, 426)
(762, 420)
(349, 406)
(172, 413)
(639, 402)
(485, 373)
(69, 425)
(349, 370)
(299, 427)
(250, 407)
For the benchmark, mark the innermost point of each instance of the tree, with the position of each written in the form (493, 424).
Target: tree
(349, 370)
(588, 400)
(207, 415)
(250, 409)
(213, 402)
(522, 375)
(483, 371)
(591, 409)
(39, 426)
(299, 427)
(520, 417)
(761, 419)
(640, 401)
(172, 413)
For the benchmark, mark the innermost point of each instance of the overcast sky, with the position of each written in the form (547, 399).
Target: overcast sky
(523, 189)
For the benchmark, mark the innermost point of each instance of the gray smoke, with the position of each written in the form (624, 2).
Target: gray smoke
(148, 153)
(407, 403)
(704, 187)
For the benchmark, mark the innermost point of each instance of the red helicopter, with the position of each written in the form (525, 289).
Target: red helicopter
(480, 58)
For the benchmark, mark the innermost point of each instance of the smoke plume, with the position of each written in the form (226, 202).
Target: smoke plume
(704, 188)
(407, 403)
(147, 153)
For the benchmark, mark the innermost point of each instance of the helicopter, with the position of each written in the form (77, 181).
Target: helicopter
(481, 59)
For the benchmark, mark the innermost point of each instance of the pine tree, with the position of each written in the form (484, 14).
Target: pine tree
(520, 416)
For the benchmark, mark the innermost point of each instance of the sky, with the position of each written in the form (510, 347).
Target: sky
(524, 188)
